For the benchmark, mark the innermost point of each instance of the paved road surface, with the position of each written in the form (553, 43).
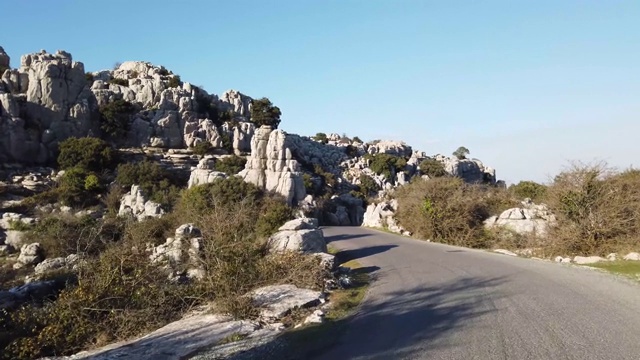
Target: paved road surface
(432, 301)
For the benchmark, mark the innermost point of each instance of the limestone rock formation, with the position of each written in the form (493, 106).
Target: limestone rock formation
(204, 173)
(300, 235)
(470, 170)
(135, 204)
(530, 218)
(272, 167)
(275, 301)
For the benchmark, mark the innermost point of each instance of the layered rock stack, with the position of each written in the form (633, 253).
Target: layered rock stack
(272, 167)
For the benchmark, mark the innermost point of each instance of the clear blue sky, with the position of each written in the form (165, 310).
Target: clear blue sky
(525, 85)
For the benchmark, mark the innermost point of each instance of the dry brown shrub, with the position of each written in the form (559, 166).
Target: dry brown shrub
(448, 210)
(598, 209)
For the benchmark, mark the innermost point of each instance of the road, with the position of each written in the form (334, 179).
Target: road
(432, 301)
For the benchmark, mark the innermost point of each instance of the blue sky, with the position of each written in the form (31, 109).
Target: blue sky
(525, 85)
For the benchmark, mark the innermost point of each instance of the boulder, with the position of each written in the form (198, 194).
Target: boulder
(300, 224)
(50, 264)
(585, 260)
(306, 241)
(632, 256)
(275, 301)
(529, 219)
(134, 204)
(30, 254)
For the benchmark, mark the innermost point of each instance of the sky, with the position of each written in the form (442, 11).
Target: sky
(526, 86)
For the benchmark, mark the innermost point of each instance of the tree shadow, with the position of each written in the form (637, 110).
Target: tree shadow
(404, 324)
(334, 238)
(355, 254)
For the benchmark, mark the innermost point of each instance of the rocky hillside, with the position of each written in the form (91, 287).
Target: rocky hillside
(147, 111)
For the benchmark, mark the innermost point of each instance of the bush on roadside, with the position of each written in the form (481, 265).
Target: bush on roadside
(596, 208)
(447, 210)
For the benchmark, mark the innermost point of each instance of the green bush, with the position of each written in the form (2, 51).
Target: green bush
(386, 164)
(274, 212)
(157, 183)
(71, 189)
(230, 165)
(529, 189)
(88, 153)
(115, 118)
(199, 199)
(351, 151)
(433, 168)
(321, 137)
(163, 72)
(264, 113)
(367, 185)
(202, 148)
(461, 153)
(174, 82)
(121, 82)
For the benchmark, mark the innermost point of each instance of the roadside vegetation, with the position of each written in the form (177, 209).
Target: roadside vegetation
(116, 292)
(597, 210)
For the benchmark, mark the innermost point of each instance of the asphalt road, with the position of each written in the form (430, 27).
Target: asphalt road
(432, 301)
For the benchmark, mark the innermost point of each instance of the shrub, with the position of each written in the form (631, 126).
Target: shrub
(328, 180)
(264, 113)
(119, 295)
(88, 153)
(351, 151)
(72, 187)
(231, 164)
(121, 82)
(174, 82)
(357, 140)
(321, 137)
(67, 234)
(202, 148)
(443, 209)
(163, 71)
(528, 189)
(274, 212)
(157, 183)
(461, 153)
(386, 164)
(367, 185)
(308, 183)
(200, 199)
(596, 209)
(115, 118)
(432, 168)
(88, 76)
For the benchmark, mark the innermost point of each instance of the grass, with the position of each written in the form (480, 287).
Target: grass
(310, 340)
(620, 267)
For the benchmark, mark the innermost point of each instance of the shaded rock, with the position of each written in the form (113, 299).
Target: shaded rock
(50, 264)
(317, 317)
(30, 254)
(276, 301)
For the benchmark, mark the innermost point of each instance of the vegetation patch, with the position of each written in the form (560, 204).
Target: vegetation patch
(621, 267)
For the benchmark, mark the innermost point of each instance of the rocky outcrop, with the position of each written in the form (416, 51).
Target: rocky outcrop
(272, 166)
(300, 235)
(529, 219)
(30, 254)
(134, 204)
(275, 301)
(396, 148)
(204, 173)
(381, 215)
(469, 170)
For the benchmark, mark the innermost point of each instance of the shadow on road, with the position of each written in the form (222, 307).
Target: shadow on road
(355, 254)
(407, 324)
(334, 238)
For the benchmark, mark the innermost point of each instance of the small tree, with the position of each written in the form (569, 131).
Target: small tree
(321, 137)
(115, 118)
(264, 113)
(461, 153)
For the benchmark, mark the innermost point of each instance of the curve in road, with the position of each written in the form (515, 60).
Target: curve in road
(433, 301)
